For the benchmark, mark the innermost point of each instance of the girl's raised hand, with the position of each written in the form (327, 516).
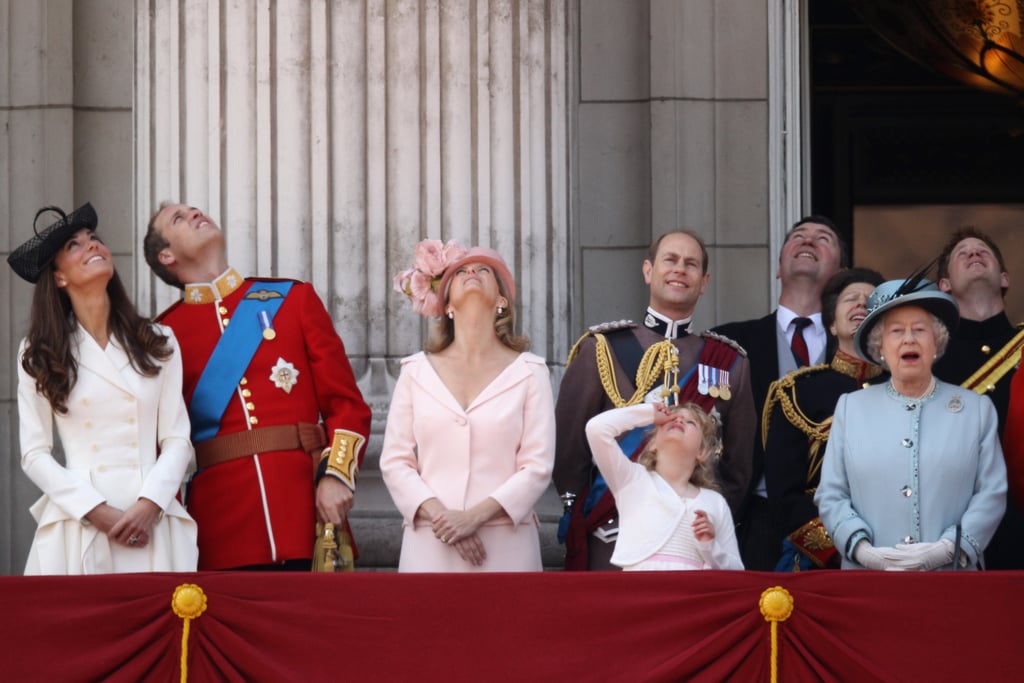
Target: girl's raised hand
(661, 414)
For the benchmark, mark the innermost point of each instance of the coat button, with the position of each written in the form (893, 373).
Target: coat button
(461, 421)
(253, 420)
(907, 443)
(246, 393)
(250, 406)
(911, 406)
(907, 491)
(223, 310)
(908, 539)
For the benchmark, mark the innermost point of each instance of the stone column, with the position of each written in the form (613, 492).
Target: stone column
(328, 137)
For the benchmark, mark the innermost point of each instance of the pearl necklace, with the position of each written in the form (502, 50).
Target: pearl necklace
(927, 392)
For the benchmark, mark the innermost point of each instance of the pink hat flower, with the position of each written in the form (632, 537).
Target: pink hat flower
(421, 283)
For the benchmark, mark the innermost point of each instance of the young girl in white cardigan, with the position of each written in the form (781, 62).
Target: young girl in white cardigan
(670, 518)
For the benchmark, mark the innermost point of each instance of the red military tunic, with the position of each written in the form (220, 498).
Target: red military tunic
(260, 509)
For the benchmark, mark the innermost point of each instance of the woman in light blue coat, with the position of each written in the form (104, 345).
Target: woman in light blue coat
(913, 477)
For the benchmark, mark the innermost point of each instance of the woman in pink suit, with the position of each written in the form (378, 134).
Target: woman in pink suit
(469, 443)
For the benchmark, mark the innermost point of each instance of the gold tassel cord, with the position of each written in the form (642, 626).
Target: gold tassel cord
(655, 360)
(189, 602)
(776, 605)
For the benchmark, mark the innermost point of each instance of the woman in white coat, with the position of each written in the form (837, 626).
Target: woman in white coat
(469, 444)
(111, 381)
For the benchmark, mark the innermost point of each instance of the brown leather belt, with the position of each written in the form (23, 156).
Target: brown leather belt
(302, 436)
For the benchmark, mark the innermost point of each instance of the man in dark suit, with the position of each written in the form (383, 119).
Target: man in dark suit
(983, 354)
(812, 253)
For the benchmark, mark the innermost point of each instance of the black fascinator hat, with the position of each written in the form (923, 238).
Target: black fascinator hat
(31, 258)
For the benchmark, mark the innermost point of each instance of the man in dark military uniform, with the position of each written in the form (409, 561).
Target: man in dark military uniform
(812, 253)
(265, 393)
(983, 354)
(622, 363)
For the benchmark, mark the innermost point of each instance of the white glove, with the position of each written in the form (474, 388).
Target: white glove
(870, 557)
(922, 557)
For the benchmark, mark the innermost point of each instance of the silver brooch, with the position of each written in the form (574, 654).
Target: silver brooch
(956, 404)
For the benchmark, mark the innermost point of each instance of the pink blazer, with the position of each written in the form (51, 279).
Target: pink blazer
(501, 446)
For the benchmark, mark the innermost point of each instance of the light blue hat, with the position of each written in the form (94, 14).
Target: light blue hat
(916, 291)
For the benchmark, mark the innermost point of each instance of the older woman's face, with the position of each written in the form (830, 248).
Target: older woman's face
(908, 342)
(851, 309)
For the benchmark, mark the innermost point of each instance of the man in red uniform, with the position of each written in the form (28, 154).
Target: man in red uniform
(268, 383)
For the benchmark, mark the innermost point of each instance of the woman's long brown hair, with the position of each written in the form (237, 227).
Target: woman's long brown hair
(48, 354)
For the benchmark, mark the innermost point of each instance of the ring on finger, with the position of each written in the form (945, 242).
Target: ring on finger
(444, 539)
(132, 540)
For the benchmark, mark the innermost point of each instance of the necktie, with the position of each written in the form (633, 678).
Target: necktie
(799, 345)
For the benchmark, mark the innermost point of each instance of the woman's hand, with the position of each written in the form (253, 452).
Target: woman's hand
(471, 549)
(134, 526)
(428, 510)
(104, 517)
(703, 529)
(452, 526)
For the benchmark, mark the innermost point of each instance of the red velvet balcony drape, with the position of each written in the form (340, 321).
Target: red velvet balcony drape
(692, 626)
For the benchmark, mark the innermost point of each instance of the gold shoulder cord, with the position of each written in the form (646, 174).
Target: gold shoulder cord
(986, 377)
(651, 365)
(783, 391)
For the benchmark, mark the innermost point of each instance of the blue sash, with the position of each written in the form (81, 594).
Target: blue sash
(232, 356)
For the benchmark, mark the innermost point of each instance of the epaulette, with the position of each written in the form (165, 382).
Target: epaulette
(783, 391)
(601, 328)
(708, 334)
(604, 328)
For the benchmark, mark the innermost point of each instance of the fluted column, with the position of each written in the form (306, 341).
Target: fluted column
(328, 137)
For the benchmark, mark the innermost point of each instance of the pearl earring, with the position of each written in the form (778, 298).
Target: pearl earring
(500, 310)
(451, 314)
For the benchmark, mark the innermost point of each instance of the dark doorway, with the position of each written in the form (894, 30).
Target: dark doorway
(901, 156)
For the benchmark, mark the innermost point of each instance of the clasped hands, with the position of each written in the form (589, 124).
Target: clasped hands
(457, 528)
(128, 527)
(904, 556)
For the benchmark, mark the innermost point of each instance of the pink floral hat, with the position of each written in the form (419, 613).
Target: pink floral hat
(435, 263)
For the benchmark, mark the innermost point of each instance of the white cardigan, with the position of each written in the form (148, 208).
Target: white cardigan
(649, 508)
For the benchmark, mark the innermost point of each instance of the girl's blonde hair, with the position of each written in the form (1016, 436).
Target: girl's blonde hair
(705, 474)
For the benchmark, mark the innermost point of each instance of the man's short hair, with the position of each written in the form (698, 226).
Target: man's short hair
(152, 244)
(959, 236)
(656, 244)
(844, 248)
